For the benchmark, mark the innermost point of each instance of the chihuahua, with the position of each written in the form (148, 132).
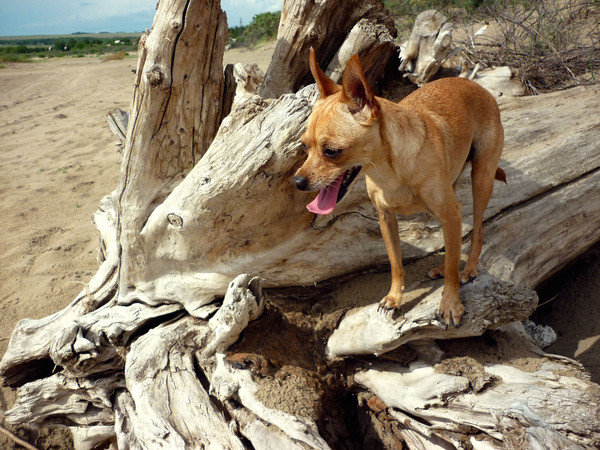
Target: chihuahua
(412, 154)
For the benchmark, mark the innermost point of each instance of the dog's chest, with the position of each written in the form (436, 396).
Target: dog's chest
(400, 199)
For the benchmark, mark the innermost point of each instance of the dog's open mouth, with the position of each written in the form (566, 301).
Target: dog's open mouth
(329, 196)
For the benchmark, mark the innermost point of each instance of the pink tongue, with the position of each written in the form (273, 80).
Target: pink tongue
(327, 198)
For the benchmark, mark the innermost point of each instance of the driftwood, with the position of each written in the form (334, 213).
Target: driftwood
(117, 120)
(375, 45)
(502, 401)
(321, 25)
(248, 78)
(428, 45)
(150, 353)
(489, 304)
(500, 81)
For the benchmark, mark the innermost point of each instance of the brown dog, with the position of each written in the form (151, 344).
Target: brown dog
(412, 154)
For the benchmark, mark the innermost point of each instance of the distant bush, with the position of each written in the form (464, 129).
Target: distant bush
(262, 28)
(414, 7)
(12, 58)
(21, 49)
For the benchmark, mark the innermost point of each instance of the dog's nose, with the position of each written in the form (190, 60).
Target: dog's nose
(300, 182)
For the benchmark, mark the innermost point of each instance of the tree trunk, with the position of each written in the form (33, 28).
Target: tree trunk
(322, 25)
(175, 112)
(163, 349)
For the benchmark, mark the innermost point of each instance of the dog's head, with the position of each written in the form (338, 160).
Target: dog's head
(342, 131)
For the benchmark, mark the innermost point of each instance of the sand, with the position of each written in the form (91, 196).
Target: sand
(58, 159)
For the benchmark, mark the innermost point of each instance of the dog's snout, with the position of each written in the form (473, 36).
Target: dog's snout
(300, 182)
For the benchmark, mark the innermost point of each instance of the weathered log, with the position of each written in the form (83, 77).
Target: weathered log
(209, 217)
(230, 87)
(220, 235)
(88, 438)
(375, 45)
(166, 392)
(428, 45)
(500, 81)
(322, 25)
(489, 304)
(95, 342)
(61, 399)
(248, 79)
(459, 394)
(117, 120)
(180, 77)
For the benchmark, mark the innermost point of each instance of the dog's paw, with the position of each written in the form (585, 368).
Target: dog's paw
(389, 302)
(436, 273)
(451, 310)
(467, 275)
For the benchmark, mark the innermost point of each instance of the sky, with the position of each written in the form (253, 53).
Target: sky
(32, 17)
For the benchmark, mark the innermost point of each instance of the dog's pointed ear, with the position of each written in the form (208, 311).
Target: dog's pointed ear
(325, 84)
(355, 86)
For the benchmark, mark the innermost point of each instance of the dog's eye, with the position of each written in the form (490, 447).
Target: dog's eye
(331, 153)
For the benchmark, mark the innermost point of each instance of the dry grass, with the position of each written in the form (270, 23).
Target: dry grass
(552, 44)
(114, 56)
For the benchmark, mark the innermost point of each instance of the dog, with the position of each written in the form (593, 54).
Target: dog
(412, 154)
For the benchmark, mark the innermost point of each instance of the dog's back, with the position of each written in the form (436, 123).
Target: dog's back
(465, 114)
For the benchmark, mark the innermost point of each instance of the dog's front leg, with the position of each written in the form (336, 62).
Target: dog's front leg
(389, 231)
(450, 307)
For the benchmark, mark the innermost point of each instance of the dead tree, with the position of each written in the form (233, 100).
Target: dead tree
(205, 238)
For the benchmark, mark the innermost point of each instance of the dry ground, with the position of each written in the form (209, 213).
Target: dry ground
(57, 160)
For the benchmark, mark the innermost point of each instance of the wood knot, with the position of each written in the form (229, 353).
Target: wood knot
(155, 76)
(175, 220)
(175, 24)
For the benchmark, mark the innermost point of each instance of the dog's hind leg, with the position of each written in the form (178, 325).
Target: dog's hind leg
(438, 272)
(483, 172)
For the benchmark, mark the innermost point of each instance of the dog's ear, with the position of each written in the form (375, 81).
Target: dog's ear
(325, 84)
(356, 88)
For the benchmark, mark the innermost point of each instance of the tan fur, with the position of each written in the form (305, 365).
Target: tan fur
(412, 153)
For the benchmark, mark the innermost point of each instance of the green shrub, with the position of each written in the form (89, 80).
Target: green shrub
(262, 28)
(12, 57)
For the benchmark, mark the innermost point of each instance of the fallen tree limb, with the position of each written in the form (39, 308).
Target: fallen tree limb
(462, 393)
(489, 304)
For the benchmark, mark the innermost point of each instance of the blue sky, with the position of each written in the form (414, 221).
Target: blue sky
(29, 17)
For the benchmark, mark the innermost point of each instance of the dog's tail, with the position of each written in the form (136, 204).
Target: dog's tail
(500, 175)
